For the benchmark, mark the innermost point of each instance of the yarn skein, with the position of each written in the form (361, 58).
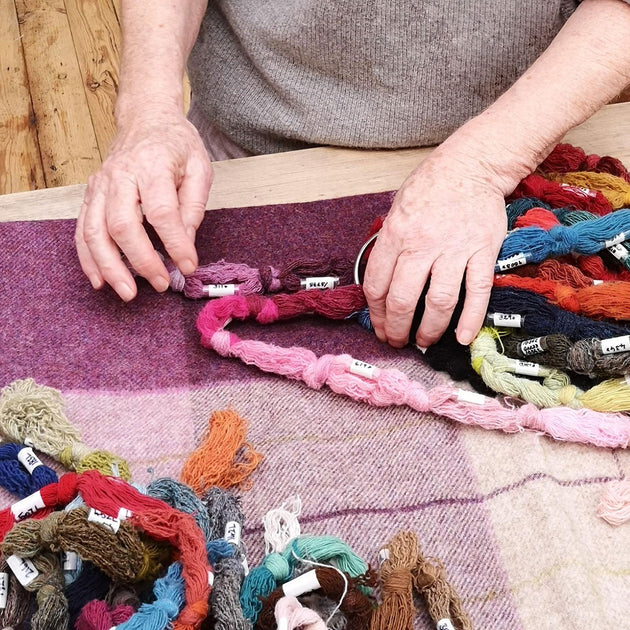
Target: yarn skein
(35, 415)
(388, 387)
(16, 477)
(18, 601)
(291, 615)
(615, 189)
(566, 158)
(224, 458)
(99, 615)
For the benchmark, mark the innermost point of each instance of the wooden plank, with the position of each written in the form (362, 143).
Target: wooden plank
(20, 162)
(96, 36)
(322, 173)
(66, 136)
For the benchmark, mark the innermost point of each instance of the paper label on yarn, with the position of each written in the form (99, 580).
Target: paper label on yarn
(626, 377)
(28, 506)
(305, 583)
(383, 555)
(23, 569)
(583, 192)
(124, 514)
(282, 623)
(361, 368)
(618, 251)
(4, 590)
(615, 344)
(210, 579)
(70, 561)
(518, 260)
(615, 240)
(509, 320)
(595, 282)
(219, 290)
(531, 346)
(463, 395)
(526, 368)
(323, 282)
(245, 566)
(233, 533)
(445, 624)
(28, 442)
(110, 522)
(29, 460)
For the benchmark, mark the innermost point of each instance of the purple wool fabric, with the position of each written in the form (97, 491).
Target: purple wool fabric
(511, 516)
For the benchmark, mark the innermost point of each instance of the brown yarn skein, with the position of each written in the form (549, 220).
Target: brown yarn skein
(442, 600)
(356, 606)
(121, 556)
(18, 600)
(397, 609)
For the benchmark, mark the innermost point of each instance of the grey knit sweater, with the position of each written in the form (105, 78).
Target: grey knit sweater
(277, 75)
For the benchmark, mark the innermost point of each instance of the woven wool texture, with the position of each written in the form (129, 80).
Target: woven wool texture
(511, 516)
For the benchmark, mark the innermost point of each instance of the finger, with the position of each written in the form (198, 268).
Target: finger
(410, 276)
(193, 195)
(160, 203)
(479, 277)
(442, 296)
(90, 269)
(124, 223)
(378, 276)
(103, 250)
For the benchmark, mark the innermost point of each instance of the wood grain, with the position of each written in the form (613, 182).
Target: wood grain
(66, 136)
(96, 36)
(311, 174)
(20, 161)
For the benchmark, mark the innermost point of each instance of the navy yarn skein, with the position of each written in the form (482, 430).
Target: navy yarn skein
(15, 478)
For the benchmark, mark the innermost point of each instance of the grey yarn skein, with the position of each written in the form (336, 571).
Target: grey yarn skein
(225, 605)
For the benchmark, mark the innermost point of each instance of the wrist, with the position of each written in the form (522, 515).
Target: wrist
(134, 106)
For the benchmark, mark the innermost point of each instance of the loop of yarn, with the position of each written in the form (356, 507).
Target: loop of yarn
(224, 458)
(99, 615)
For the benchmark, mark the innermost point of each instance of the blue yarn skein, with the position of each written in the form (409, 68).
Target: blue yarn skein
(585, 237)
(15, 478)
(169, 592)
(541, 318)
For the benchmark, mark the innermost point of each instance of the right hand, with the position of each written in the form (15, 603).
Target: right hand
(158, 160)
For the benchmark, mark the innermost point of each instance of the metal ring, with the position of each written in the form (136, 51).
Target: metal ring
(357, 263)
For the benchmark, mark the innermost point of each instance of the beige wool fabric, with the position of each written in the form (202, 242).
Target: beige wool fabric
(276, 75)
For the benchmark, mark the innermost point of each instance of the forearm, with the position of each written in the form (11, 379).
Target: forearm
(157, 39)
(586, 66)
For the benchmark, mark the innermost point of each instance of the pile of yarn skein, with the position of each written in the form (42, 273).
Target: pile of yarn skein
(90, 550)
(557, 336)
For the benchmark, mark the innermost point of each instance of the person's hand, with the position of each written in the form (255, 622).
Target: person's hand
(447, 219)
(157, 161)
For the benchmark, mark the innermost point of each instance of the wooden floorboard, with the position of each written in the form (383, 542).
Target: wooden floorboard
(20, 161)
(66, 135)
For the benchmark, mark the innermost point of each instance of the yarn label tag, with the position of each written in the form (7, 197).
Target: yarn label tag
(619, 251)
(509, 320)
(626, 377)
(245, 567)
(526, 368)
(210, 579)
(233, 532)
(23, 569)
(110, 522)
(124, 514)
(219, 290)
(283, 623)
(615, 344)
(305, 583)
(360, 368)
(615, 240)
(531, 346)
(28, 506)
(445, 624)
(463, 395)
(596, 282)
(518, 260)
(69, 561)
(4, 589)
(383, 555)
(579, 190)
(323, 282)
(29, 460)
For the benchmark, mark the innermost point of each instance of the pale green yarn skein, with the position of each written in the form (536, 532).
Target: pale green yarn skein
(35, 415)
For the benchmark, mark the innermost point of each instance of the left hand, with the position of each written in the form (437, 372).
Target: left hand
(447, 218)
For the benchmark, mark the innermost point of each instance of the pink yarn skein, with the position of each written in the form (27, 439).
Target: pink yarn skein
(289, 611)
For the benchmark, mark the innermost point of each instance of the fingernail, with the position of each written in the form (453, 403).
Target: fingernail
(161, 284)
(465, 336)
(125, 291)
(380, 335)
(95, 281)
(187, 266)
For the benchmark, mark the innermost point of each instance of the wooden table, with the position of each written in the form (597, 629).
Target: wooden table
(322, 173)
